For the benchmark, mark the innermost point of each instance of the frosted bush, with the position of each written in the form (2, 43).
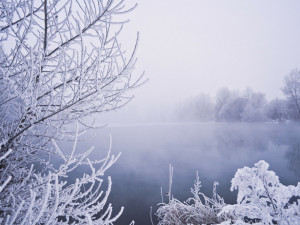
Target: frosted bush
(261, 199)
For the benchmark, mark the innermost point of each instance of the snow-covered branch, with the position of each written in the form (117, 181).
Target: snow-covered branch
(51, 198)
(60, 62)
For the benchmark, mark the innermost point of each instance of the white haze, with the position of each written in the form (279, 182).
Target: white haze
(192, 46)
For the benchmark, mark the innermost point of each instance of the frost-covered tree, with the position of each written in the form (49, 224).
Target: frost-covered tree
(233, 106)
(229, 105)
(233, 109)
(291, 89)
(222, 96)
(255, 108)
(199, 108)
(277, 109)
(60, 62)
(204, 107)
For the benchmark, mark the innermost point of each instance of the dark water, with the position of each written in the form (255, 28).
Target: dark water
(216, 151)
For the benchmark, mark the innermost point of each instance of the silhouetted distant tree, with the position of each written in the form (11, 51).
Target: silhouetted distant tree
(277, 110)
(199, 108)
(255, 108)
(222, 97)
(233, 109)
(291, 89)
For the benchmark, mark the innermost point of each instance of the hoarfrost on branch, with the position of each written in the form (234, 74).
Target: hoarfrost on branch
(60, 63)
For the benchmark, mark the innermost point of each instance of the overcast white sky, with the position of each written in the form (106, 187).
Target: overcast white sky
(193, 46)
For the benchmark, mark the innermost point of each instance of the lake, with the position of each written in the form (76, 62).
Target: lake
(215, 150)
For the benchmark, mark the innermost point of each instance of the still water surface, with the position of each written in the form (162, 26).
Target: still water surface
(216, 151)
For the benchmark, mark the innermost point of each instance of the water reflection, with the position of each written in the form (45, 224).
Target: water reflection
(215, 150)
(293, 155)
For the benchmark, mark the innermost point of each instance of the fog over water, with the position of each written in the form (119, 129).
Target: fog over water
(191, 47)
(215, 98)
(216, 151)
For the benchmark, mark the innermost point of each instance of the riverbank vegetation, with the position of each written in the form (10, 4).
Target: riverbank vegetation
(261, 199)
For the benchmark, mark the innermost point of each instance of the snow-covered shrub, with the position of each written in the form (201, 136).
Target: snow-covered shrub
(199, 209)
(50, 197)
(262, 198)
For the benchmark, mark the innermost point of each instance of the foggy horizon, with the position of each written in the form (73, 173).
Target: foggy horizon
(201, 46)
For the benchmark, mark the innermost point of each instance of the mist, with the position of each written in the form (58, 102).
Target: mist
(216, 151)
(202, 46)
(190, 52)
(109, 105)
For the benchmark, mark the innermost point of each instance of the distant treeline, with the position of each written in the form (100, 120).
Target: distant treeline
(233, 106)
(246, 106)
